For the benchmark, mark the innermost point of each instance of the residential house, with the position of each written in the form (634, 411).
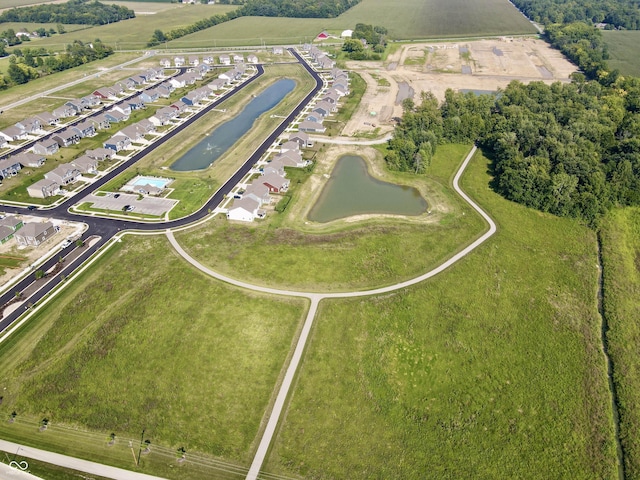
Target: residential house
(163, 90)
(238, 58)
(324, 108)
(207, 59)
(135, 103)
(289, 145)
(118, 88)
(146, 126)
(202, 70)
(314, 117)
(275, 183)
(84, 129)
(46, 147)
(150, 96)
(34, 233)
(67, 137)
(115, 116)
(275, 166)
(100, 121)
(330, 97)
(63, 174)
(9, 167)
(91, 101)
(30, 125)
(65, 111)
(3, 142)
(106, 93)
(301, 139)
(13, 133)
(32, 160)
(178, 61)
(100, 154)
(340, 88)
(132, 132)
(313, 127)
(217, 84)
(163, 116)
(147, 189)
(244, 209)
(47, 118)
(179, 106)
(124, 108)
(325, 62)
(127, 84)
(118, 142)
(291, 158)
(278, 50)
(138, 81)
(43, 188)
(194, 61)
(77, 106)
(86, 164)
(8, 226)
(225, 59)
(259, 192)
(6, 234)
(251, 58)
(165, 63)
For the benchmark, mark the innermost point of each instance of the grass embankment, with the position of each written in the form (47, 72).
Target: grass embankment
(405, 19)
(193, 188)
(48, 471)
(623, 50)
(621, 262)
(492, 369)
(142, 341)
(349, 104)
(286, 251)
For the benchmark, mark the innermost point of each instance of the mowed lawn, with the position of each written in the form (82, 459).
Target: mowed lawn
(492, 369)
(405, 19)
(623, 50)
(342, 256)
(621, 260)
(142, 341)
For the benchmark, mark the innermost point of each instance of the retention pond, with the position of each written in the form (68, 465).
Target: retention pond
(352, 191)
(211, 147)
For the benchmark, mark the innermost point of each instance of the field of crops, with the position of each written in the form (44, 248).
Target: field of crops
(623, 51)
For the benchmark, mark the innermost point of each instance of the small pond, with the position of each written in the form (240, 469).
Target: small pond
(352, 191)
(211, 147)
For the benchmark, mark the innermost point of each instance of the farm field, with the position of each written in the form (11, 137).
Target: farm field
(136, 32)
(623, 51)
(345, 255)
(492, 369)
(621, 275)
(405, 20)
(192, 367)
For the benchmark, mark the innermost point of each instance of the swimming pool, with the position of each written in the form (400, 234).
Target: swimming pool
(157, 182)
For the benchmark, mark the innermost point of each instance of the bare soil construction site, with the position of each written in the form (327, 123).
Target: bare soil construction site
(482, 66)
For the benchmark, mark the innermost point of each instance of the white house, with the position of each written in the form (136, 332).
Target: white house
(244, 210)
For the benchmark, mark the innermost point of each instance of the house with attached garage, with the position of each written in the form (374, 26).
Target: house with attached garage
(244, 210)
(251, 58)
(31, 160)
(46, 147)
(135, 103)
(150, 96)
(34, 233)
(301, 139)
(77, 106)
(123, 108)
(100, 121)
(47, 118)
(178, 61)
(118, 142)
(114, 116)
(324, 108)
(63, 174)
(43, 188)
(145, 126)
(137, 80)
(163, 90)
(90, 101)
(84, 129)
(106, 93)
(194, 61)
(313, 127)
(66, 138)
(165, 63)
(100, 154)
(179, 106)
(278, 50)
(275, 166)
(3, 142)
(9, 167)
(259, 192)
(30, 125)
(6, 234)
(275, 183)
(163, 116)
(225, 59)
(8, 226)
(118, 88)
(238, 58)
(13, 133)
(86, 164)
(314, 117)
(291, 158)
(289, 145)
(132, 132)
(65, 111)
(217, 84)
(207, 59)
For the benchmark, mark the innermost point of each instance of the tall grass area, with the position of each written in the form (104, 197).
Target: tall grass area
(405, 20)
(621, 262)
(142, 341)
(493, 369)
(623, 51)
(343, 255)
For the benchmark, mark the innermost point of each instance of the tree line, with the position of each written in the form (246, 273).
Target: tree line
(28, 64)
(616, 13)
(83, 12)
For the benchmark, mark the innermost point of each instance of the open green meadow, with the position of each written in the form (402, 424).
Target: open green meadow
(405, 20)
(126, 347)
(623, 50)
(344, 255)
(493, 369)
(621, 275)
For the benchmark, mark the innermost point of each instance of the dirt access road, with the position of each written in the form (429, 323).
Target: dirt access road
(487, 65)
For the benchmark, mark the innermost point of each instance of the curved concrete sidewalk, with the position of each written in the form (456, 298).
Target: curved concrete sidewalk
(315, 298)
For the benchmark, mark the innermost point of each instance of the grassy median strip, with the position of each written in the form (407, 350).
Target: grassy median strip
(142, 341)
(493, 369)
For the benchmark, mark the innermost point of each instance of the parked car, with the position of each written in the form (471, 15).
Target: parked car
(32, 207)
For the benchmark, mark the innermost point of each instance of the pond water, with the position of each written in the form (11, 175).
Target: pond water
(211, 147)
(352, 191)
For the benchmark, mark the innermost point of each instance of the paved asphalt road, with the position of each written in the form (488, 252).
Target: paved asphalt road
(106, 228)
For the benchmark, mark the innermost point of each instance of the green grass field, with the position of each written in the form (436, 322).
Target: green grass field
(621, 261)
(344, 256)
(405, 19)
(623, 50)
(491, 370)
(127, 347)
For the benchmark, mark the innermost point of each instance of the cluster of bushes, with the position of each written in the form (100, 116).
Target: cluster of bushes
(28, 64)
(617, 13)
(366, 43)
(83, 12)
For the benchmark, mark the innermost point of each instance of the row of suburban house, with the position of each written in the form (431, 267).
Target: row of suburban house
(273, 179)
(133, 133)
(68, 173)
(194, 60)
(327, 104)
(31, 233)
(320, 58)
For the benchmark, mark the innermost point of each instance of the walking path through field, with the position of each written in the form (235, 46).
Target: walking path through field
(71, 462)
(315, 298)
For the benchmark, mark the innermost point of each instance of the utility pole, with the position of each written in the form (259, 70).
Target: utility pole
(140, 449)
